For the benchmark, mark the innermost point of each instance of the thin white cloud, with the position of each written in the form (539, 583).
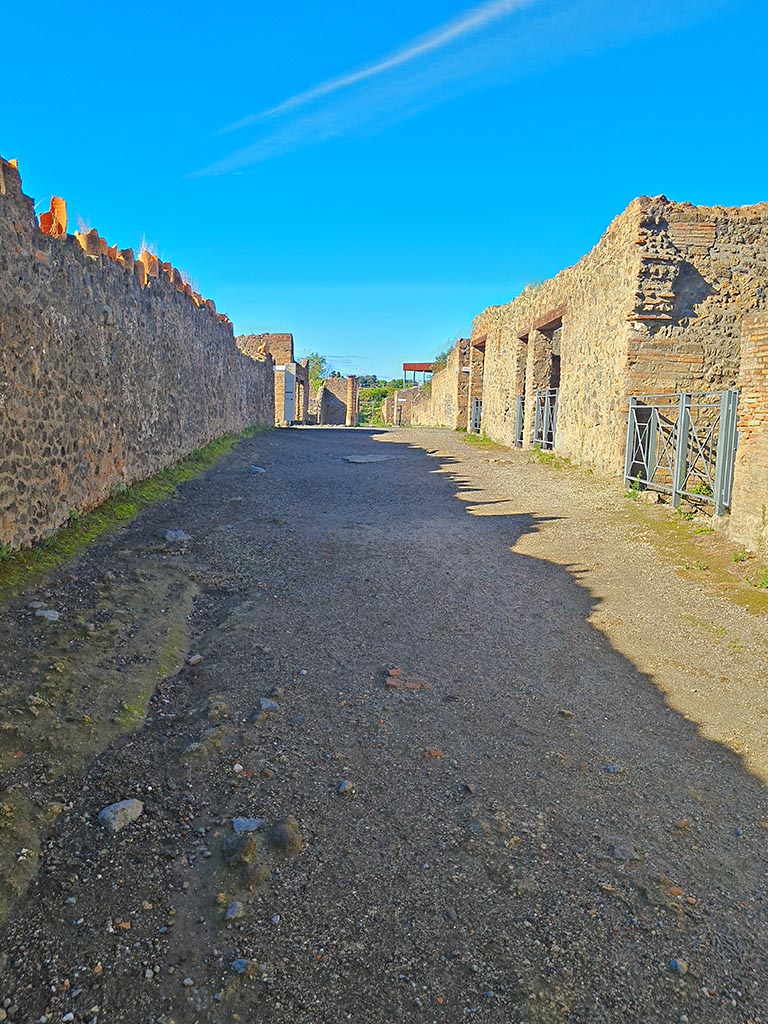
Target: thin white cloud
(472, 21)
(531, 37)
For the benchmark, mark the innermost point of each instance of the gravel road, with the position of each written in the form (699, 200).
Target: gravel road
(499, 761)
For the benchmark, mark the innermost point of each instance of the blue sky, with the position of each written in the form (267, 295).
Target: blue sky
(370, 177)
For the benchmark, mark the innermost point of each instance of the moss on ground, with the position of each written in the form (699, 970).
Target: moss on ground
(17, 568)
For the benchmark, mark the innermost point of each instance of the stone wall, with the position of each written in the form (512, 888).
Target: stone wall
(749, 518)
(280, 348)
(590, 301)
(110, 369)
(443, 401)
(337, 402)
(655, 307)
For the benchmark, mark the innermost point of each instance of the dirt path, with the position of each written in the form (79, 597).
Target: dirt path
(556, 813)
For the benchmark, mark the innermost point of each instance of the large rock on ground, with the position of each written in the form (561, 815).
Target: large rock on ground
(117, 816)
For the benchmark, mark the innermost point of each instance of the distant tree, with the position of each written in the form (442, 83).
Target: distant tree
(441, 360)
(373, 394)
(369, 380)
(319, 369)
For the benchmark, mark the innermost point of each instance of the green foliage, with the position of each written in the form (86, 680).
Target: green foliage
(683, 512)
(16, 567)
(319, 368)
(703, 489)
(481, 440)
(741, 555)
(373, 394)
(633, 491)
(441, 360)
(761, 580)
(550, 458)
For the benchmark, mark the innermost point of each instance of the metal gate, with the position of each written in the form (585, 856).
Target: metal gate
(545, 420)
(683, 445)
(476, 417)
(519, 421)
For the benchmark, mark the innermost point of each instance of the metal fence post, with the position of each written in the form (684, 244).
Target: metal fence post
(653, 437)
(555, 404)
(681, 448)
(629, 451)
(726, 451)
(519, 421)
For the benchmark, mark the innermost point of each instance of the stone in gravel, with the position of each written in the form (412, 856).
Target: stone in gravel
(451, 914)
(188, 983)
(194, 659)
(620, 850)
(234, 911)
(286, 837)
(241, 965)
(364, 460)
(678, 966)
(245, 825)
(613, 769)
(256, 470)
(176, 535)
(346, 788)
(48, 614)
(244, 853)
(33, 606)
(267, 704)
(117, 816)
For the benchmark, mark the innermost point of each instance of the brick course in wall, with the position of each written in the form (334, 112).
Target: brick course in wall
(107, 373)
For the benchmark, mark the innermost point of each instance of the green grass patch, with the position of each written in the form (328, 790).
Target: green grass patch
(481, 440)
(18, 567)
(550, 458)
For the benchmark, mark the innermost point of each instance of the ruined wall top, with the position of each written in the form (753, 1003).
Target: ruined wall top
(279, 346)
(145, 267)
(652, 227)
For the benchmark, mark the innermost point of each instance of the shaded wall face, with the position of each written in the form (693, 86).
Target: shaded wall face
(333, 410)
(749, 518)
(338, 401)
(103, 381)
